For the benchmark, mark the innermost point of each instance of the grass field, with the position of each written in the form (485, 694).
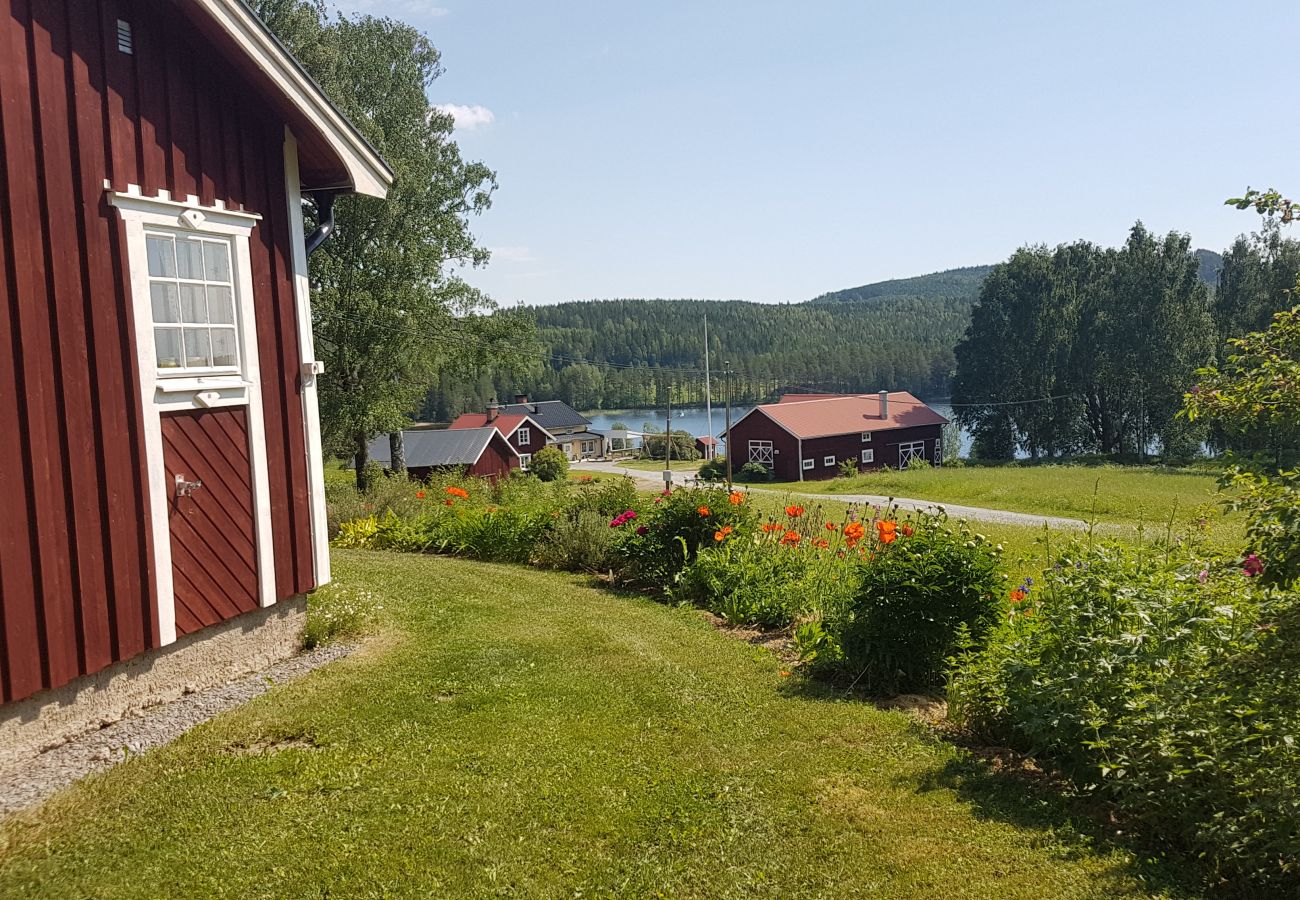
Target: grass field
(518, 733)
(657, 465)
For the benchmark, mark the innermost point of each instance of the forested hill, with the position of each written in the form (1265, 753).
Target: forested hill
(897, 334)
(952, 283)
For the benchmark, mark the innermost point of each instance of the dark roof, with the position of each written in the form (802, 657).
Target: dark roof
(445, 447)
(550, 414)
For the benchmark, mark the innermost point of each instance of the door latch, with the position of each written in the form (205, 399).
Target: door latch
(185, 488)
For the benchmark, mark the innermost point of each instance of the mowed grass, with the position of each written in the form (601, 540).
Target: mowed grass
(657, 465)
(519, 733)
(1127, 495)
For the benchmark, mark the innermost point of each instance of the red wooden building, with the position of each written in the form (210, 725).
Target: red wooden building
(159, 439)
(477, 452)
(809, 436)
(522, 430)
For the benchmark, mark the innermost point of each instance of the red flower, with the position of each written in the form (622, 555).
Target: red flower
(908, 531)
(1252, 566)
(458, 492)
(831, 526)
(886, 530)
(721, 533)
(794, 512)
(791, 538)
(703, 511)
(735, 498)
(419, 495)
(769, 527)
(1017, 595)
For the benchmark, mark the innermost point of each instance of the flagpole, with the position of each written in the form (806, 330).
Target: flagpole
(708, 397)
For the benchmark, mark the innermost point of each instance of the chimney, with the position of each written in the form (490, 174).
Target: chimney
(492, 410)
(521, 398)
(884, 404)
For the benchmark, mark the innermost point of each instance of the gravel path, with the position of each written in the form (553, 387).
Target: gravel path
(972, 513)
(33, 780)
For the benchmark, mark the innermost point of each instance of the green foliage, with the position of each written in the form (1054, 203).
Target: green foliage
(335, 612)
(578, 541)
(753, 473)
(1085, 349)
(549, 464)
(1163, 681)
(668, 537)
(916, 599)
(848, 468)
(683, 446)
(713, 470)
(747, 581)
(609, 497)
(389, 310)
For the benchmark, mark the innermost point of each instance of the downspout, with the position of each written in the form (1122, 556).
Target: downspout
(801, 459)
(324, 218)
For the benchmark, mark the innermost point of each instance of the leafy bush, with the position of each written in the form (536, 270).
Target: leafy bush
(335, 612)
(848, 468)
(753, 473)
(713, 470)
(747, 582)
(580, 541)
(667, 539)
(608, 497)
(1166, 685)
(918, 597)
(491, 533)
(549, 464)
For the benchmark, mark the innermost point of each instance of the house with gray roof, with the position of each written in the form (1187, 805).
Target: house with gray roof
(480, 452)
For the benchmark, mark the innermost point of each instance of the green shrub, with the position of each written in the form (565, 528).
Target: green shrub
(496, 534)
(917, 598)
(549, 464)
(848, 468)
(713, 470)
(753, 472)
(608, 497)
(746, 581)
(335, 612)
(1163, 684)
(579, 541)
(661, 543)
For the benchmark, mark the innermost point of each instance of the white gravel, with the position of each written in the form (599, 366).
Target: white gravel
(33, 780)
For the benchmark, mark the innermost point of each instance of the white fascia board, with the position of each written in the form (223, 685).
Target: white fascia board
(369, 173)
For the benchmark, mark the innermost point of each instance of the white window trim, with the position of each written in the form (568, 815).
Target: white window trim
(909, 451)
(762, 445)
(868, 456)
(809, 463)
(161, 394)
(828, 460)
(866, 437)
(523, 435)
(524, 460)
(184, 371)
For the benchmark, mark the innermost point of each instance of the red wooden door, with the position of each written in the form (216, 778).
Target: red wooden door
(214, 549)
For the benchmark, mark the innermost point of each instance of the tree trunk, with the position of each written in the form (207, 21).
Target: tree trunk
(397, 454)
(360, 458)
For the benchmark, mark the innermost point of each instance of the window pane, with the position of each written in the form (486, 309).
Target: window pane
(166, 307)
(167, 345)
(221, 306)
(197, 352)
(193, 307)
(189, 258)
(162, 263)
(223, 347)
(216, 261)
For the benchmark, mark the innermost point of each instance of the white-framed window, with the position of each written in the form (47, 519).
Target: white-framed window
(910, 451)
(523, 436)
(828, 460)
(588, 446)
(192, 296)
(938, 451)
(866, 437)
(868, 456)
(761, 452)
(808, 463)
(524, 460)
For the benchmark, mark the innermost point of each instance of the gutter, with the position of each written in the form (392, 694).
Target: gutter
(325, 220)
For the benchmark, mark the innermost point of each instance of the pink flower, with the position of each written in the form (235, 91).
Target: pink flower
(1203, 576)
(641, 529)
(1252, 566)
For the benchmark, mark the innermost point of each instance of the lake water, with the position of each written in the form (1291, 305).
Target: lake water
(695, 421)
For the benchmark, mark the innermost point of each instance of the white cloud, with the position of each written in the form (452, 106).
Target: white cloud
(467, 118)
(513, 254)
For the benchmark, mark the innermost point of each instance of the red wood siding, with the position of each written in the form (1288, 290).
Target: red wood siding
(884, 445)
(536, 440)
(214, 561)
(75, 557)
(496, 461)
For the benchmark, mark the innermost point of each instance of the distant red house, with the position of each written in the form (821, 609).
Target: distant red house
(810, 436)
(522, 430)
(478, 452)
(704, 444)
(159, 434)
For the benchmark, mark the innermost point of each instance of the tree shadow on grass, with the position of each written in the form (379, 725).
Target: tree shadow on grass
(1004, 787)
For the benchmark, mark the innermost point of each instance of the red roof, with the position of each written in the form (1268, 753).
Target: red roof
(505, 423)
(706, 440)
(849, 414)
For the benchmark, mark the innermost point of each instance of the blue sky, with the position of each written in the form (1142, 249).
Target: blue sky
(773, 151)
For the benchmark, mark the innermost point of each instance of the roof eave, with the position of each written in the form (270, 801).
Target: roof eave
(367, 172)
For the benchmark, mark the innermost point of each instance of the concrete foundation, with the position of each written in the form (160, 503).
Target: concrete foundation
(208, 658)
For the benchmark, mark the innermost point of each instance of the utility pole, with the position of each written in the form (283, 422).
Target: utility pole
(668, 441)
(726, 374)
(708, 397)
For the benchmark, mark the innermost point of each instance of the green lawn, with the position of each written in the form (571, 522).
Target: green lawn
(657, 465)
(518, 733)
(1126, 495)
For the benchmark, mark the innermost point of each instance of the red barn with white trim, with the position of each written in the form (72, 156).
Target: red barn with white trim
(159, 435)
